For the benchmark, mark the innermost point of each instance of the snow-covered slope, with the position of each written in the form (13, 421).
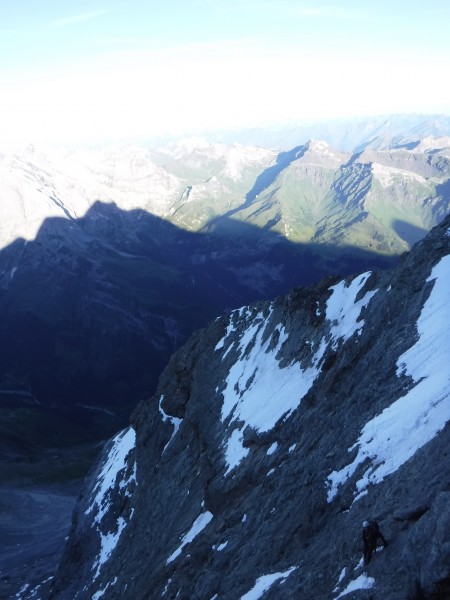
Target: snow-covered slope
(378, 200)
(273, 434)
(36, 184)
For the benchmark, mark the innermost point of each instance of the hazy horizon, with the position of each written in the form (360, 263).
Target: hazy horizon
(106, 70)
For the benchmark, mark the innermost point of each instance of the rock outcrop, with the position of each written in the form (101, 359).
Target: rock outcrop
(274, 433)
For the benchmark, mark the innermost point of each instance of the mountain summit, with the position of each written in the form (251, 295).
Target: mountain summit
(274, 433)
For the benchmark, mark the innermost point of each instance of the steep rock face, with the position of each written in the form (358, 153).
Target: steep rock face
(273, 434)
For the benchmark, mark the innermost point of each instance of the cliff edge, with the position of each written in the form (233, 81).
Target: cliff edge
(274, 433)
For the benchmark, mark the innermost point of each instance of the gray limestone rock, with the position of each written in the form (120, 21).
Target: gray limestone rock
(268, 444)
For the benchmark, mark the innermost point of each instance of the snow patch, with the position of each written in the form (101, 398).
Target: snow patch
(220, 547)
(234, 450)
(388, 175)
(108, 542)
(343, 310)
(33, 592)
(258, 392)
(265, 582)
(197, 526)
(272, 448)
(363, 582)
(432, 143)
(230, 329)
(322, 148)
(341, 577)
(114, 465)
(101, 593)
(123, 443)
(166, 589)
(174, 421)
(392, 437)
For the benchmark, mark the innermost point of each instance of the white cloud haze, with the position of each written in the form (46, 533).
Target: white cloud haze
(130, 84)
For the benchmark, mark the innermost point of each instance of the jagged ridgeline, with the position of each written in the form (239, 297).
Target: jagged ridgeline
(112, 257)
(274, 433)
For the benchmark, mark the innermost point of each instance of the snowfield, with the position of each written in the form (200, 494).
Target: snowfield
(392, 437)
(112, 470)
(258, 392)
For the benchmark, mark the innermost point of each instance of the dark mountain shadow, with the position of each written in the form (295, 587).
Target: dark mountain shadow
(93, 308)
(407, 145)
(267, 177)
(408, 232)
(442, 207)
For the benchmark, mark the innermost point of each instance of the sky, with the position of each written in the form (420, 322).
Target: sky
(104, 70)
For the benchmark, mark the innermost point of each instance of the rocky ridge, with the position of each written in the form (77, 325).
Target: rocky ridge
(158, 243)
(382, 199)
(273, 434)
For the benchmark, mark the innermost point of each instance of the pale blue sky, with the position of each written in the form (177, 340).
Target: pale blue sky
(94, 70)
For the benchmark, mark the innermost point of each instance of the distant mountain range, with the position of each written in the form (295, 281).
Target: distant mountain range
(379, 200)
(346, 134)
(112, 257)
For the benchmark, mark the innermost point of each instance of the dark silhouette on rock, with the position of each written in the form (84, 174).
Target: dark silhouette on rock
(370, 535)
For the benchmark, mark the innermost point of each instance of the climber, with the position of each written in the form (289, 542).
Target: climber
(371, 533)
